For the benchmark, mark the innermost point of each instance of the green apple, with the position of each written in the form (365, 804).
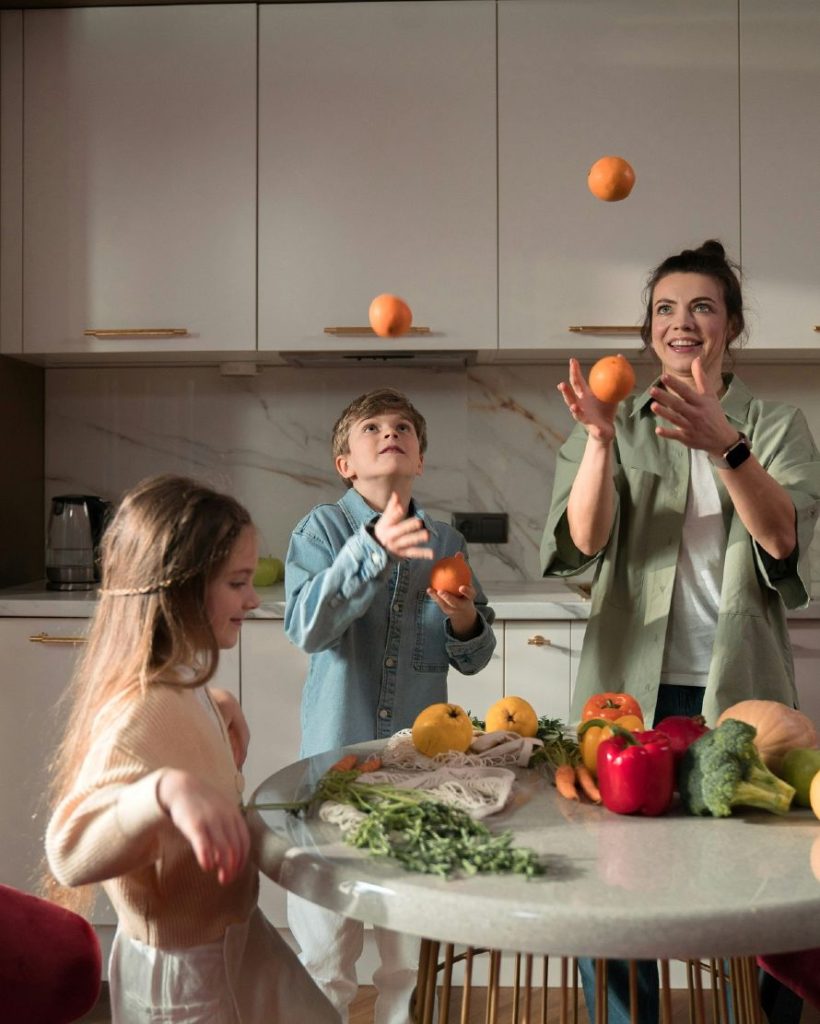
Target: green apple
(268, 571)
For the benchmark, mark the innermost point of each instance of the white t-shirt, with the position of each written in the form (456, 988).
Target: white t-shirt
(698, 579)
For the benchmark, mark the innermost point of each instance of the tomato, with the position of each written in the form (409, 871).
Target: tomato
(610, 706)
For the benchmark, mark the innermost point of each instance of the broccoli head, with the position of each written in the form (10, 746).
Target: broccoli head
(722, 770)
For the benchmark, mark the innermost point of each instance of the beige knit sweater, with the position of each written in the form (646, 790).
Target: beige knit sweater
(111, 829)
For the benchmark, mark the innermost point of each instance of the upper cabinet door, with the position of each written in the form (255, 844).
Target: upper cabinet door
(139, 178)
(377, 152)
(653, 83)
(780, 171)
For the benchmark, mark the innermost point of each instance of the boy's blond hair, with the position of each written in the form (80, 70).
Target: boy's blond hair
(371, 404)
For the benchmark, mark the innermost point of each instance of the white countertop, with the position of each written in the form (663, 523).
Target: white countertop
(526, 599)
(537, 599)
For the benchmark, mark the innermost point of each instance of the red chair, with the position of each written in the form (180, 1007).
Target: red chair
(50, 961)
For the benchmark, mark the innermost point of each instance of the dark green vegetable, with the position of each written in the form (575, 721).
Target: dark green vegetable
(722, 770)
(421, 833)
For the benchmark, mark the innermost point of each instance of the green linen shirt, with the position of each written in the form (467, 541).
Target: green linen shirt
(635, 571)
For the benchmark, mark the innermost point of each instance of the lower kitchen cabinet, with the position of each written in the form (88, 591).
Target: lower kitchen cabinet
(537, 659)
(39, 655)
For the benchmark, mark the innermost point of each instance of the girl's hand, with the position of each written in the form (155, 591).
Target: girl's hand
(212, 824)
(695, 414)
(459, 608)
(598, 417)
(239, 732)
(401, 535)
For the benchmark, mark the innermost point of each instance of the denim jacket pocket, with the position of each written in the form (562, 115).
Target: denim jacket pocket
(429, 650)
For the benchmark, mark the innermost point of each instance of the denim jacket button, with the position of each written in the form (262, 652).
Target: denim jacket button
(390, 662)
(384, 713)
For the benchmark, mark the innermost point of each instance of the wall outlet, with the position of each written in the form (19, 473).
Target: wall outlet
(482, 527)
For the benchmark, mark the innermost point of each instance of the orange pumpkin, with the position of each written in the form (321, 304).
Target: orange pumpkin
(390, 316)
(611, 178)
(611, 379)
(450, 573)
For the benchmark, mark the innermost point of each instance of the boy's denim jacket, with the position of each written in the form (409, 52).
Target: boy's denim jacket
(379, 647)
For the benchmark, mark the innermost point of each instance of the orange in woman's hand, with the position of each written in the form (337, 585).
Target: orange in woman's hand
(611, 379)
(390, 316)
(611, 178)
(449, 574)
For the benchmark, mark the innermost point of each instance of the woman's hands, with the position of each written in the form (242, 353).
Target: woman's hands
(212, 824)
(598, 417)
(695, 415)
(459, 608)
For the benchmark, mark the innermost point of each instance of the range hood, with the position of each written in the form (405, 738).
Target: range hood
(443, 360)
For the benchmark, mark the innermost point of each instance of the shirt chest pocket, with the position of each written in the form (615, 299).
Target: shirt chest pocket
(429, 653)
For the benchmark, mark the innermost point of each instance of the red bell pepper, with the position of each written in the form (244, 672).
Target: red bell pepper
(636, 772)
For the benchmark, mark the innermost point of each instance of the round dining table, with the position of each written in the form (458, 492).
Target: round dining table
(715, 893)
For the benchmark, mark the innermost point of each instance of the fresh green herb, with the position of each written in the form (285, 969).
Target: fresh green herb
(421, 833)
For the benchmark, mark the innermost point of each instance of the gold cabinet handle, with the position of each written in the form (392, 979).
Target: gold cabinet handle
(539, 641)
(137, 332)
(603, 329)
(355, 332)
(44, 638)
(817, 327)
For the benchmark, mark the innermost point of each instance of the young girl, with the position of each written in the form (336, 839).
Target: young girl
(147, 788)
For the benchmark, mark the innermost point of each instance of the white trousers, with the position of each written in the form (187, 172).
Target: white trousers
(330, 946)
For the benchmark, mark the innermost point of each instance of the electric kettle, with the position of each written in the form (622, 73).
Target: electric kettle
(75, 527)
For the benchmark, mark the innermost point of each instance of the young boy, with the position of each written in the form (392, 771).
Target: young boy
(380, 644)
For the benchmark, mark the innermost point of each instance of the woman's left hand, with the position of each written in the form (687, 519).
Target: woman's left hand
(695, 414)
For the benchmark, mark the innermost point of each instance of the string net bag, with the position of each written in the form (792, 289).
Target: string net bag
(487, 750)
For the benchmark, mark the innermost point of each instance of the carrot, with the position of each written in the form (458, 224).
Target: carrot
(587, 783)
(344, 764)
(371, 764)
(565, 781)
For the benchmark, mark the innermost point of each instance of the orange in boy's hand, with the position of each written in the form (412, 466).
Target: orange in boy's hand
(450, 573)
(390, 316)
(611, 178)
(611, 379)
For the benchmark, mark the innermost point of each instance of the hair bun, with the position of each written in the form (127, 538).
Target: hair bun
(711, 247)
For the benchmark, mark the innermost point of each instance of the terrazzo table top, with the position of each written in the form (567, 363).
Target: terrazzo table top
(632, 887)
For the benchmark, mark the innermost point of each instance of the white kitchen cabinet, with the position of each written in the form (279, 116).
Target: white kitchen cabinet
(780, 171)
(139, 179)
(273, 673)
(805, 638)
(377, 151)
(655, 84)
(479, 692)
(537, 658)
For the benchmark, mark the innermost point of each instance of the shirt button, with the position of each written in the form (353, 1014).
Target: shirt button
(374, 556)
(397, 607)
(384, 713)
(390, 662)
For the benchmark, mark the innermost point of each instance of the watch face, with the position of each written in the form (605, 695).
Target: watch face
(738, 453)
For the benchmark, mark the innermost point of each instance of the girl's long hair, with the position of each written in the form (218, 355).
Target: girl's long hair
(168, 537)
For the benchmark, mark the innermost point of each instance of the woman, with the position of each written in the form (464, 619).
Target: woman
(696, 503)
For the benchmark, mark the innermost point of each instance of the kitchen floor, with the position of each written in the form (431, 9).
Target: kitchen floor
(361, 1011)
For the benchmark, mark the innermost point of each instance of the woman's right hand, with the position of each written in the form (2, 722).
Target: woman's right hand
(597, 417)
(212, 824)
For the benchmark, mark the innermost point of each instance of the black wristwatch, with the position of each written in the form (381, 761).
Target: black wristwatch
(735, 455)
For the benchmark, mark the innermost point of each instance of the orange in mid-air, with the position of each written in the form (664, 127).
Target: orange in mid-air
(450, 573)
(390, 316)
(611, 378)
(611, 178)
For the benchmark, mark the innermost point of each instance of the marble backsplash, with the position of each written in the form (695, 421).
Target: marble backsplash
(494, 432)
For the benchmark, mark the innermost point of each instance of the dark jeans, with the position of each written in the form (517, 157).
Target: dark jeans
(779, 1003)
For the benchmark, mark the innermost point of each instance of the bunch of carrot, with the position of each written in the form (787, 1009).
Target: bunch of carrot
(562, 756)
(350, 763)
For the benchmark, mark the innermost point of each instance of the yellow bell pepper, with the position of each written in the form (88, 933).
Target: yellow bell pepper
(594, 731)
